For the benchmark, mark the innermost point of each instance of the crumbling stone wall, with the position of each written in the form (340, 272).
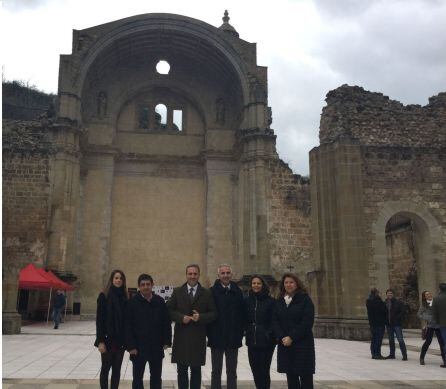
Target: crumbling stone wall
(289, 221)
(27, 153)
(374, 119)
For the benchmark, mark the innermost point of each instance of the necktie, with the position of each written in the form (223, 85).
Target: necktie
(191, 294)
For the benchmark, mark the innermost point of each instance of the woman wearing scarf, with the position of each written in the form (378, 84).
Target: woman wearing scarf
(259, 307)
(110, 328)
(293, 320)
(429, 326)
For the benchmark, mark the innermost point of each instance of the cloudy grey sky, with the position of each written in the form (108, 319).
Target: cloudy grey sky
(397, 47)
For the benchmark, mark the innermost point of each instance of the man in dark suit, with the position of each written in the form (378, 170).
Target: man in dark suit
(148, 333)
(191, 307)
(225, 334)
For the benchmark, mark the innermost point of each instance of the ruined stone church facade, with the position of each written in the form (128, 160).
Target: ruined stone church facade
(147, 169)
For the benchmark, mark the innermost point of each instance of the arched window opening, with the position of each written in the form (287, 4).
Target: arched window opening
(402, 252)
(160, 116)
(178, 119)
(163, 67)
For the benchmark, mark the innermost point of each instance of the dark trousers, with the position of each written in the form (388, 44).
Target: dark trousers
(398, 331)
(57, 316)
(231, 355)
(377, 340)
(429, 335)
(183, 376)
(260, 362)
(113, 361)
(295, 381)
(156, 369)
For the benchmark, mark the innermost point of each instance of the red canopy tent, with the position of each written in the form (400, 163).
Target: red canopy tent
(33, 278)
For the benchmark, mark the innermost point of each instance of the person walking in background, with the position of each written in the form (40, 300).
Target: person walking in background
(148, 333)
(59, 304)
(226, 333)
(439, 313)
(376, 313)
(429, 326)
(395, 316)
(191, 307)
(259, 307)
(110, 328)
(293, 320)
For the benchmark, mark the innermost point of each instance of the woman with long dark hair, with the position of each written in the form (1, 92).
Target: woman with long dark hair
(293, 320)
(429, 326)
(110, 328)
(259, 306)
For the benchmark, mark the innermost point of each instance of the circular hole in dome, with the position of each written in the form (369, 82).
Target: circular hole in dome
(163, 67)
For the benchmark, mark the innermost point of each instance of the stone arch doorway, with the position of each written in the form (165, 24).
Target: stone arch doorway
(406, 250)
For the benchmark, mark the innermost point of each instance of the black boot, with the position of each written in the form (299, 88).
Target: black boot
(421, 361)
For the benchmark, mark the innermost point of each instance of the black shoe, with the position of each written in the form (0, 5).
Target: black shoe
(379, 357)
(422, 361)
(56, 327)
(405, 358)
(391, 357)
(444, 365)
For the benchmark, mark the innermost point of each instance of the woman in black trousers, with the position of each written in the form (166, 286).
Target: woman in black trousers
(430, 327)
(259, 306)
(293, 320)
(110, 333)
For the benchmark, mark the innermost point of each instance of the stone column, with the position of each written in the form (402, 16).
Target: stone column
(64, 198)
(220, 199)
(11, 320)
(96, 226)
(258, 146)
(339, 239)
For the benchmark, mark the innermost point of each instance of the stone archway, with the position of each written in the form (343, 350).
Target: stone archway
(426, 235)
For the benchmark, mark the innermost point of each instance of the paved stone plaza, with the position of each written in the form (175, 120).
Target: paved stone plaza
(65, 359)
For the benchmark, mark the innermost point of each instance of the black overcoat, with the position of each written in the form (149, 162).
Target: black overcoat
(148, 326)
(376, 311)
(295, 321)
(103, 334)
(259, 309)
(189, 341)
(227, 330)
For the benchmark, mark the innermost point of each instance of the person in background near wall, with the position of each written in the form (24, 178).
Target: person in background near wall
(59, 304)
(439, 312)
(259, 306)
(429, 326)
(395, 316)
(376, 313)
(148, 333)
(191, 307)
(110, 328)
(226, 333)
(293, 320)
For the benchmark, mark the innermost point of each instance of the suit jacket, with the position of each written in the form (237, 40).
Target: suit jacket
(189, 341)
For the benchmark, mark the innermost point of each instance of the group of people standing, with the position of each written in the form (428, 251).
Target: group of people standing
(221, 314)
(389, 314)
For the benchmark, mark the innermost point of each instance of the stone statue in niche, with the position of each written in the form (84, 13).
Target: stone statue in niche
(220, 111)
(102, 105)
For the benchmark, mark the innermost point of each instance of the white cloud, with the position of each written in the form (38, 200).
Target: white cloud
(310, 47)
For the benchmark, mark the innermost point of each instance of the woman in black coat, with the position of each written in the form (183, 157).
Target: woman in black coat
(293, 320)
(110, 331)
(259, 306)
